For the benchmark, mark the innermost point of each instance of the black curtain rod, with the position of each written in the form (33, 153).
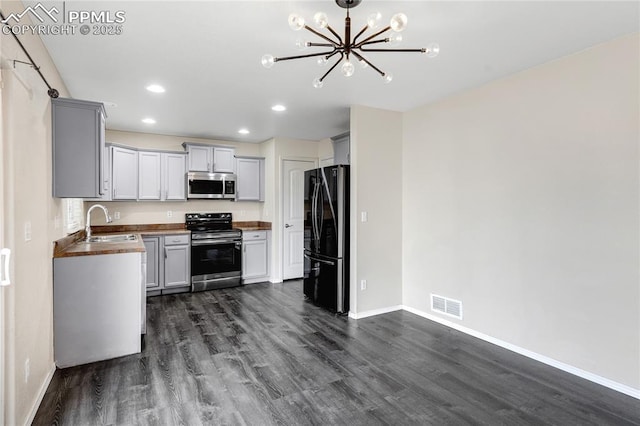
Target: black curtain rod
(53, 93)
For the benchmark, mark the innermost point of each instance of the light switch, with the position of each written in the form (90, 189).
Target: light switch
(27, 231)
(364, 216)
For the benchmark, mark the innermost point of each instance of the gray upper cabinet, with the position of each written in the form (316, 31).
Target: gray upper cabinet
(149, 175)
(250, 179)
(174, 175)
(124, 173)
(78, 147)
(211, 159)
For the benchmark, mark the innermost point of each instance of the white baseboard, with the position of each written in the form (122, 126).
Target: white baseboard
(365, 314)
(41, 392)
(627, 390)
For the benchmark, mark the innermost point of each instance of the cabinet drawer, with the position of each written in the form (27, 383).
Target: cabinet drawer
(174, 240)
(254, 235)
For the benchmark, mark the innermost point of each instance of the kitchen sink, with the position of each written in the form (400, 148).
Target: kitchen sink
(117, 238)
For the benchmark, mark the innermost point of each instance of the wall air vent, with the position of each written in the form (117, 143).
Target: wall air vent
(446, 306)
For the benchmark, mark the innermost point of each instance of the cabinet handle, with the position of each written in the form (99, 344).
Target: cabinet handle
(165, 253)
(5, 257)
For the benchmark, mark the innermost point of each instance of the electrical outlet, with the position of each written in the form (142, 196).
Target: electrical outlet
(364, 217)
(169, 213)
(363, 284)
(27, 231)
(116, 215)
(27, 370)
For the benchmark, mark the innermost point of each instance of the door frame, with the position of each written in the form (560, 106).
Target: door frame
(280, 215)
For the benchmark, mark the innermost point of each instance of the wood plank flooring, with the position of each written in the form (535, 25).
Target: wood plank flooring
(261, 355)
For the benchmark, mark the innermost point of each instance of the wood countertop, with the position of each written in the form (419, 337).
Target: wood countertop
(73, 245)
(252, 226)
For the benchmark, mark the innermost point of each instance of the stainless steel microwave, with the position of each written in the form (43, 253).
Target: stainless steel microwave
(211, 185)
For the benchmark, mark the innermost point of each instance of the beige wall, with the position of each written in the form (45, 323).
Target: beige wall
(376, 188)
(521, 200)
(275, 151)
(26, 182)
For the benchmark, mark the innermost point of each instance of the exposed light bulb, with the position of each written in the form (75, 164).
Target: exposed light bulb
(322, 61)
(363, 63)
(348, 69)
(387, 78)
(398, 22)
(317, 83)
(395, 39)
(296, 22)
(268, 61)
(301, 44)
(321, 20)
(373, 20)
(433, 49)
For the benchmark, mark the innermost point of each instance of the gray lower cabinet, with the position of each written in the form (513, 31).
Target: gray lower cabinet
(78, 147)
(168, 264)
(255, 256)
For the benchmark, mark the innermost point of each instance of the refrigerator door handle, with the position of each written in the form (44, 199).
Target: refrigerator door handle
(328, 262)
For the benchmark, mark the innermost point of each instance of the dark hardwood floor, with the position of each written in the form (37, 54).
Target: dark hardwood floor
(261, 355)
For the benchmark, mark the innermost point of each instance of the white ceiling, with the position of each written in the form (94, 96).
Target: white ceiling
(207, 55)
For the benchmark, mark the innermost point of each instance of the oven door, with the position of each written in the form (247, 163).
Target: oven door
(215, 263)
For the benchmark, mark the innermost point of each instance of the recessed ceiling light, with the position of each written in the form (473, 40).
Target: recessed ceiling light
(279, 108)
(148, 120)
(155, 88)
(244, 131)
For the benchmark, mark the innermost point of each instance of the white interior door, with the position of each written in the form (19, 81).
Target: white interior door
(293, 216)
(4, 261)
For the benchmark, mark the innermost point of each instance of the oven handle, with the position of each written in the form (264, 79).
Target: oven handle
(213, 242)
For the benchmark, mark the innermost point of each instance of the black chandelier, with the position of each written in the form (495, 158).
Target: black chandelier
(344, 49)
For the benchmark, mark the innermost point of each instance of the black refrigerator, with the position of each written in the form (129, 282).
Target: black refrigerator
(326, 237)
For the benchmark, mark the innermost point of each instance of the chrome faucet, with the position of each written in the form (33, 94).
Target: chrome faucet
(87, 226)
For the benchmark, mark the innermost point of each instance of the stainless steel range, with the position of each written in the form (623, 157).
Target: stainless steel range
(216, 251)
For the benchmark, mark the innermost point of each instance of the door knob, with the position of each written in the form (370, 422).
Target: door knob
(287, 225)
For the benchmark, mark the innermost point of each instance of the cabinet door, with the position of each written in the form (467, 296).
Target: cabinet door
(248, 179)
(200, 158)
(174, 175)
(78, 140)
(152, 245)
(176, 266)
(224, 160)
(149, 176)
(254, 259)
(124, 174)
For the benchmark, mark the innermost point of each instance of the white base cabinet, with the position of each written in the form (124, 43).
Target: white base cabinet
(96, 307)
(255, 256)
(168, 263)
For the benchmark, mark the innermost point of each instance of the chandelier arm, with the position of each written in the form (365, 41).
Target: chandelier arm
(333, 67)
(286, 58)
(335, 34)
(319, 34)
(422, 50)
(372, 36)
(362, 58)
(359, 34)
(382, 40)
(311, 44)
